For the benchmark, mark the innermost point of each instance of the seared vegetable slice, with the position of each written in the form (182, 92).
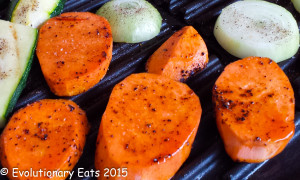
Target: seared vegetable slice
(257, 28)
(17, 45)
(182, 55)
(132, 21)
(74, 51)
(255, 109)
(149, 127)
(34, 12)
(48, 135)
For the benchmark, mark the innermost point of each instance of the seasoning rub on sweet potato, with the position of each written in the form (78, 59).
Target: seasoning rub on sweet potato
(48, 135)
(148, 127)
(182, 55)
(74, 51)
(255, 109)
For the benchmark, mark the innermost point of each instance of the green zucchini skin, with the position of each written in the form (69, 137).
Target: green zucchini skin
(59, 9)
(22, 82)
(13, 3)
(11, 7)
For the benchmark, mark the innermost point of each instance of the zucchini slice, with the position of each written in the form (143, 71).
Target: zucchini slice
(17, 46)
(34, 12)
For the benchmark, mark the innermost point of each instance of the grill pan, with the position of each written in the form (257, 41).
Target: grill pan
(208, 159)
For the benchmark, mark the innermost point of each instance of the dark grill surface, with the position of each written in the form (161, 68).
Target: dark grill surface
(208, 159)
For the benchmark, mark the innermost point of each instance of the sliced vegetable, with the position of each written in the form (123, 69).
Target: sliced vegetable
(34, 12)
(257, 28)
(255, 109)
(297, 90)
(17, 45)
(296, 4)
(182, 55)
(132, 21)
(74, 50)
(148, 127)
(48, 135)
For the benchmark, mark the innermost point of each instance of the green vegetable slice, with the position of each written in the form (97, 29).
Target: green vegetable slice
(34, 12)
(257, 28)
(17, 47)
(131, 21)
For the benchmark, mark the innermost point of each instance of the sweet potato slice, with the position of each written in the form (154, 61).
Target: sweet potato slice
(182, 55)
(74, 51)
(255, 108)
(48, 135)
(148, 127)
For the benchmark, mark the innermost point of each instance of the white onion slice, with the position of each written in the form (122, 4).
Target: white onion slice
(257, 28)
(296, 4)
(131, 21)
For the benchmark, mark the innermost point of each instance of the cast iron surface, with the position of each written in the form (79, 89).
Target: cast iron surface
(208, 159)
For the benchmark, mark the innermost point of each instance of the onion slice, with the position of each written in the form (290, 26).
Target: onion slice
(132, 21)
(257, 28)
(296, 4)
